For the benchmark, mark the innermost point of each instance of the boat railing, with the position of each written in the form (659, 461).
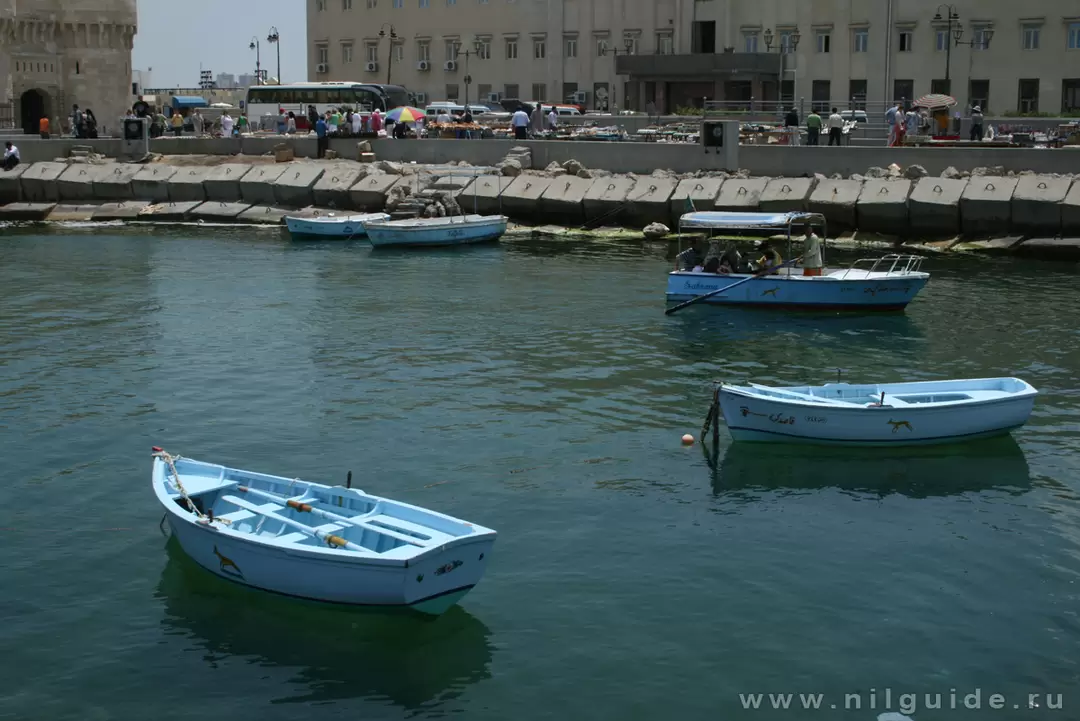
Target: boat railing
(896, 263)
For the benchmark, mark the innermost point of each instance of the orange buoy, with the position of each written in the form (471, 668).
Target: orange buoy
(688, 440)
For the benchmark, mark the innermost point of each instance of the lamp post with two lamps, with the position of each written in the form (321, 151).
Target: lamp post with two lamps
(789, 43)
(258, 60)
(478, 49)
(274, 38)
(390, 55)
(953, 32)
(627, 49)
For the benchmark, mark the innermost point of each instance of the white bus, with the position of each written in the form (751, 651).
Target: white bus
(298, 98)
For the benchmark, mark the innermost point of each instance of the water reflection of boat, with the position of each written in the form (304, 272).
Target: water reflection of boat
(918, 472)
(337, 653)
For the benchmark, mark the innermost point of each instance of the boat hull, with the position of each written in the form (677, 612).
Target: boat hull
(765, 420)
(466, 233)
(429, 585)
(328, 228)
(880, 291)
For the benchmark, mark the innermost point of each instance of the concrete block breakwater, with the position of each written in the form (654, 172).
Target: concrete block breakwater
(977, 206)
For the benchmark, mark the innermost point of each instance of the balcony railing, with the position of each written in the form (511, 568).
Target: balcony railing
(698, 65)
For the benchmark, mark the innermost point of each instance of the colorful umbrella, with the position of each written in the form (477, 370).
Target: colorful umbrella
(935, 101)
(405, 114)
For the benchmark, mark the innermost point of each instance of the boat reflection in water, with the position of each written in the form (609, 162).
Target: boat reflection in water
(917, 472)
(336, 653)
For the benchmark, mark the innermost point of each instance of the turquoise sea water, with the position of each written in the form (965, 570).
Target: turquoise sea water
(536, 388)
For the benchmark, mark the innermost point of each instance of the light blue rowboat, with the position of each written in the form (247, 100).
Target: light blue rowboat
(455, 230)
(886, 283)
(332, 225)
(331, 544)
(886, 414)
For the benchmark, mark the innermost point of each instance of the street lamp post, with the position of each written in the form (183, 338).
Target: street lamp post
(275, 38)
(953, 32)
(258, 60)
(790, 46)
(477, 48)
(390, 55)
(627, 49)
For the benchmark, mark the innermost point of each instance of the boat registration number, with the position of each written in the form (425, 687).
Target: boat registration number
(815, 419)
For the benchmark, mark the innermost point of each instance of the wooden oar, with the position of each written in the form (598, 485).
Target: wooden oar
(710, 294)
(329, 538)
(306, 508)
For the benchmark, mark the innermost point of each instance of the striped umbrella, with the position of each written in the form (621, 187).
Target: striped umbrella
(935, 101)
(405, 114)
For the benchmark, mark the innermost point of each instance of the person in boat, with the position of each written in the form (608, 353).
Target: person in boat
(689, 259)
(770, 258)
(712, 265)
(811, 257)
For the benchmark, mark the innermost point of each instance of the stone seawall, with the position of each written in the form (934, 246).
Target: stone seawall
(979, 207)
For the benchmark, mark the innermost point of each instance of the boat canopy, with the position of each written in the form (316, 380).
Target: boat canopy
(748, 221)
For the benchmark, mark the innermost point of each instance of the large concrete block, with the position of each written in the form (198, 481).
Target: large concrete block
(263, 215)
(11, 184)
(39, 182)
(523, 198)
(786, 195)
(934, 207)
(370, 193)
(223, 182)
(563, 201)
(188, 185)
(700, 192)
(606, 200)
(213, 211)
(484, 195)
(1053, 248)
(124, 210)
(741, 194)
(836, 200)
(257, 186)
(1070, 211)
(650, 200)
(1037, 203)
(453, 183)
(77, 182)
(72, 213)
(169, 212)
(883, 207)
(986, 206)
(113, 182)
(152, 182)
(296, 186)
(332, 189)
(26, 211)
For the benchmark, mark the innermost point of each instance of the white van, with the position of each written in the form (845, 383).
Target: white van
(432, 110)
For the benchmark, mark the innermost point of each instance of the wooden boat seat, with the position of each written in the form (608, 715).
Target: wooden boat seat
(428, 536)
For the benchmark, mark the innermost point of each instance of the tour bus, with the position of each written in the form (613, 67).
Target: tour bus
(263, 100)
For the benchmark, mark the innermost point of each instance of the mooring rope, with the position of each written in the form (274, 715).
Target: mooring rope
(170, 460)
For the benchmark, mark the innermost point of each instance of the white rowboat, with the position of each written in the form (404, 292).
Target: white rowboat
(331, 544)
(455, 230)
(332, 225)
(886, 414)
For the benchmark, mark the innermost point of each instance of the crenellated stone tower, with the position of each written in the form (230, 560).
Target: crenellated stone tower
(56, 53)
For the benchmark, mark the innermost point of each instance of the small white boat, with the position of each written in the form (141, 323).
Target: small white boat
(331, 544)
(453, 230)
(332, 225)
(886, 414)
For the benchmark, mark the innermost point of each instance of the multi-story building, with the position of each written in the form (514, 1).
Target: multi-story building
(660, 54)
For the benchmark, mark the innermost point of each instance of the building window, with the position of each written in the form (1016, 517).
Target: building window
(423, 51)
(821, 92)
(482, 2)
(906, 39)
(903, 90)
(450, 47)
(484, 53)
(1030, 37)
(941, 40)
(346, 53)
(511, 90)
(857, 94)
(373, 53)
(980, 38)
(1074, 36)
(1028, 101)
(539, 49)
(511, 49)
(665, 44)
(860, 40)
(979, 94)
(347, 4)
(630, 44)
(941, 86)
(399, 52)
(371, 4)
(425, 3)
(571, 47)
(1070, 95)
(322, 54)
(750, 42)
(785, 41)
(601, 47)
(483, 90)
(539, 92)
(398, 4)
(451, 2)
(451, 91)
(320, 5)
(824, 42)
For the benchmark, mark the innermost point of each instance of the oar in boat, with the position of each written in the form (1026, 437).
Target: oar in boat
(306, 508)
(710, 294)
(329, 538)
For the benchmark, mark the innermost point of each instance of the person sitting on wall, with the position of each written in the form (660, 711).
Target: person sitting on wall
(11, 156)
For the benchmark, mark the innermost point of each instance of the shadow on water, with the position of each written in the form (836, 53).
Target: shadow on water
(917, 472)
(409, 659)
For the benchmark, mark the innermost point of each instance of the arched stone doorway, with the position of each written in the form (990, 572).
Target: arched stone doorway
(33, 105)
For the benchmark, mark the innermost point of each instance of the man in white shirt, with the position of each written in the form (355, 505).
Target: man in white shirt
(836, 128)
(811, 257)
(226, 124)
(11, 156)
(357, 124)
(553, 119)
(520, 121)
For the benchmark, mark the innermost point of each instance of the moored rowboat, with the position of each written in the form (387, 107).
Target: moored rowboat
(332, 225)
(453, 230)
(886, 414)
(332, 544)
